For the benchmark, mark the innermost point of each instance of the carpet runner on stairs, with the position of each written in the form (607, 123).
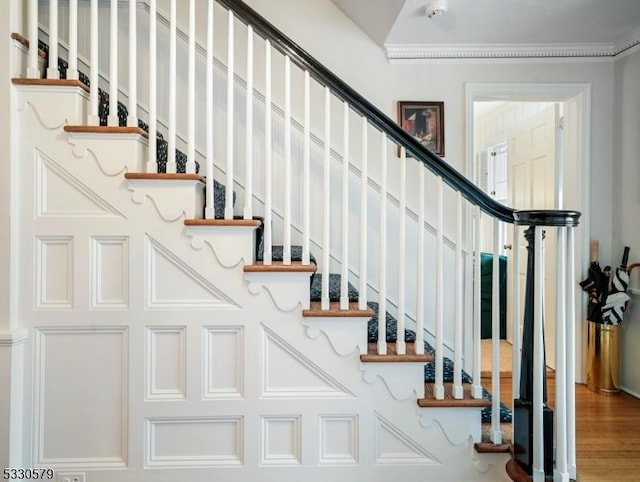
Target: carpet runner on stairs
(296, 251)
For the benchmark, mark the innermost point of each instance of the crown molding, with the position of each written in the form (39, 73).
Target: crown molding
(416, 53)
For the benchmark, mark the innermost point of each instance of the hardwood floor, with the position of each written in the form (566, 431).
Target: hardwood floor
(607, 432)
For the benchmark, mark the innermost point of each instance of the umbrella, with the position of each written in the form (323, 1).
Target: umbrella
(617, 299)
(596, 285)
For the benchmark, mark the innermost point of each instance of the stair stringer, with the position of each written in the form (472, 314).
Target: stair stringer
(222, 385)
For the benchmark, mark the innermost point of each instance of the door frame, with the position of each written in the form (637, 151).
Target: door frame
(552, 92)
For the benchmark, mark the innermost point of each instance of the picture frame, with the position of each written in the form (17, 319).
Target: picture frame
(424, 121)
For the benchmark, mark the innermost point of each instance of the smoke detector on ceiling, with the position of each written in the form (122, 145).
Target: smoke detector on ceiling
(436, 7)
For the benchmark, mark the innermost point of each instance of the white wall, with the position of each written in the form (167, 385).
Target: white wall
(626, 202)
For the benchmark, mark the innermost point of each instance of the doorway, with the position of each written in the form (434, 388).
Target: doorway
(571, 177)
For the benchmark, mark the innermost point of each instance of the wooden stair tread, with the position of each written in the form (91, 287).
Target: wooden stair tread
(448, 401)
(164, 176)
(315, 310)
(516, 472)
(280, 267)
(222, 222)
(51, 82)
(491, 448)
(24, 41)
(105, 129)
(392, 354)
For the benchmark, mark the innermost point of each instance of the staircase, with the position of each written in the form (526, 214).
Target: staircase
(167, 335)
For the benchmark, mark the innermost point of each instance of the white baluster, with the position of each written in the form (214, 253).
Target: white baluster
(112, 119)
(152, 161)
(171, 136)
(382, 295)
(326, 199)
(516, 353)
(132, 119)
(438, 388)
(571, 353)
(420, 267)
(248, 151)
(286, 248)
(538, 359)
(94, 118)
(228, 206)
(306, 166)
(72, 70)
(344, 271)
(190, 166)
(402, 238)
(52, 71)
(210, 211)
(477, 303)
(561, 472)
(33, 71)
(458, 391)
(268, 251)
(496, 433)
(364, 181)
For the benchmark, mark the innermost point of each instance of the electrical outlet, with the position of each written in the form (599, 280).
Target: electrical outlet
(71, 477)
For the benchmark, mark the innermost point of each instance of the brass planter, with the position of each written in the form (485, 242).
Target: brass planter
(603, 358)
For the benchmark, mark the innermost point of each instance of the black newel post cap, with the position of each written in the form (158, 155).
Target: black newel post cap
(547, 217)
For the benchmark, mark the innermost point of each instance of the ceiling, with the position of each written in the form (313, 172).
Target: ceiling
(499, 28)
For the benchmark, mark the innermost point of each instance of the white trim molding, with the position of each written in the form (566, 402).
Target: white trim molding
(416, 53)
(13, 338)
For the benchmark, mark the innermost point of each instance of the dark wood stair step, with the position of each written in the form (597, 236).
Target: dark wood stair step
(315, 310)
(392, 356)
(448, 401)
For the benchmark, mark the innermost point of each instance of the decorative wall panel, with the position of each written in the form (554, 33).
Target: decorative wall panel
(281, 440)
(223, 370)
(54, 272)
(166, 363)
(109, 272)
(60, 194)
(339, 442)
(81, 372)
(195, 442)
(394, 447)
(287, 373)
(171, 283)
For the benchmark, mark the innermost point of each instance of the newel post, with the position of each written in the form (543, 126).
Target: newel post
(533, 443)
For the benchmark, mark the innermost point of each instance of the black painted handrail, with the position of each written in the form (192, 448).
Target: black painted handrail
(376, 117)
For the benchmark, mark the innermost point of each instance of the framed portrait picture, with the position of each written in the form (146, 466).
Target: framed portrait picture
(425, 122)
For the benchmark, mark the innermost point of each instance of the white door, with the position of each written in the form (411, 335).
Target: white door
(532, 185)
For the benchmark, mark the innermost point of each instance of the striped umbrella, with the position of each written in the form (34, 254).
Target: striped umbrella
(617, 299)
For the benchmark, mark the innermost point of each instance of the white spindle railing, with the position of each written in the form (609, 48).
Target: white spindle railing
(420, 324)
(132, 119)
(72, 70)
(171, 136)
(344, 217)
(210, 210)
(496, 432)
(477, 305)
(570, 339)
(94, 117)
(190, 166)
(112, 119)
(364, 183)
(228, 205)
(286, 235)
(153, 88)
(382, 294)
(438, 389)
(306, 174)
(561, 473)
(458, 314)
(268, 111)
(52, 71)
(33, 71)
(401, 347)
(248, 145)
(326, 200)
